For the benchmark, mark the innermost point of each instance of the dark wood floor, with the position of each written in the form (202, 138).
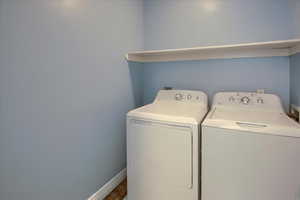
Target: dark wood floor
(119, 193)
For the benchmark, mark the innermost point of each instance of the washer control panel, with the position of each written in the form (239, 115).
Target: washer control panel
(248, 100)
(187, 97)
(182, 96)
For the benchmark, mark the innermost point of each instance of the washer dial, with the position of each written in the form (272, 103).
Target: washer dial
(245, 100)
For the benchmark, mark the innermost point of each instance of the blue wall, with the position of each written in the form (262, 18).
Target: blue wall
(177, 24)
(295, 79)
(271, 74)
(188, 23)
(65, 88)
(295, 59)
(295, 17)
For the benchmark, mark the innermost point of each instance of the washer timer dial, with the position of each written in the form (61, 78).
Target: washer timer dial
(245, 100)
(178, 97)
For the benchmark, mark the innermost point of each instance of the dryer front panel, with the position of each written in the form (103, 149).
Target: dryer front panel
(160, 161)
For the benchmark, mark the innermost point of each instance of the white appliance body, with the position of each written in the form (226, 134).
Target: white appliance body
(163, 147)
(250, 150)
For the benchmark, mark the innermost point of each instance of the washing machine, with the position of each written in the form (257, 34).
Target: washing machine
(250, 149)
(163, 142)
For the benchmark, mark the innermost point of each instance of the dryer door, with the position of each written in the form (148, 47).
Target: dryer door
(160, 161)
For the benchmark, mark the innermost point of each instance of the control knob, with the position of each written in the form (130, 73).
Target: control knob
(260, 100)
(245, 100)
(178, 97)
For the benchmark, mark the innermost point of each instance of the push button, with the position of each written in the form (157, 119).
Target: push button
(178, 97)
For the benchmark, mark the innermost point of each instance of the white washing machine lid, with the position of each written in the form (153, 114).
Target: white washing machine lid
(262, 122)
(171, 111)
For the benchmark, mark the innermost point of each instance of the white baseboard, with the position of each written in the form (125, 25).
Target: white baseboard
(109, 186)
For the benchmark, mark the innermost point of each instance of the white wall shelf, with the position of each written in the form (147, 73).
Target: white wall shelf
(247, 50)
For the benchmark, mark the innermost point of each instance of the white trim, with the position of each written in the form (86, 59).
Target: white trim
(109, 186)
(247, 50)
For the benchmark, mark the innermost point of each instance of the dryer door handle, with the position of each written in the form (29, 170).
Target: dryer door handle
(250, 125)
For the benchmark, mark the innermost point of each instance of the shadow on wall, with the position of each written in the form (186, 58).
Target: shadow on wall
(137, 75)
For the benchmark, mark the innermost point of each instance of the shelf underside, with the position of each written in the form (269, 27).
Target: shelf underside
(249, 50)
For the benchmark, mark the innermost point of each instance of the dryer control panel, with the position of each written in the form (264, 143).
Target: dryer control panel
(248, 100)
(187, 96)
